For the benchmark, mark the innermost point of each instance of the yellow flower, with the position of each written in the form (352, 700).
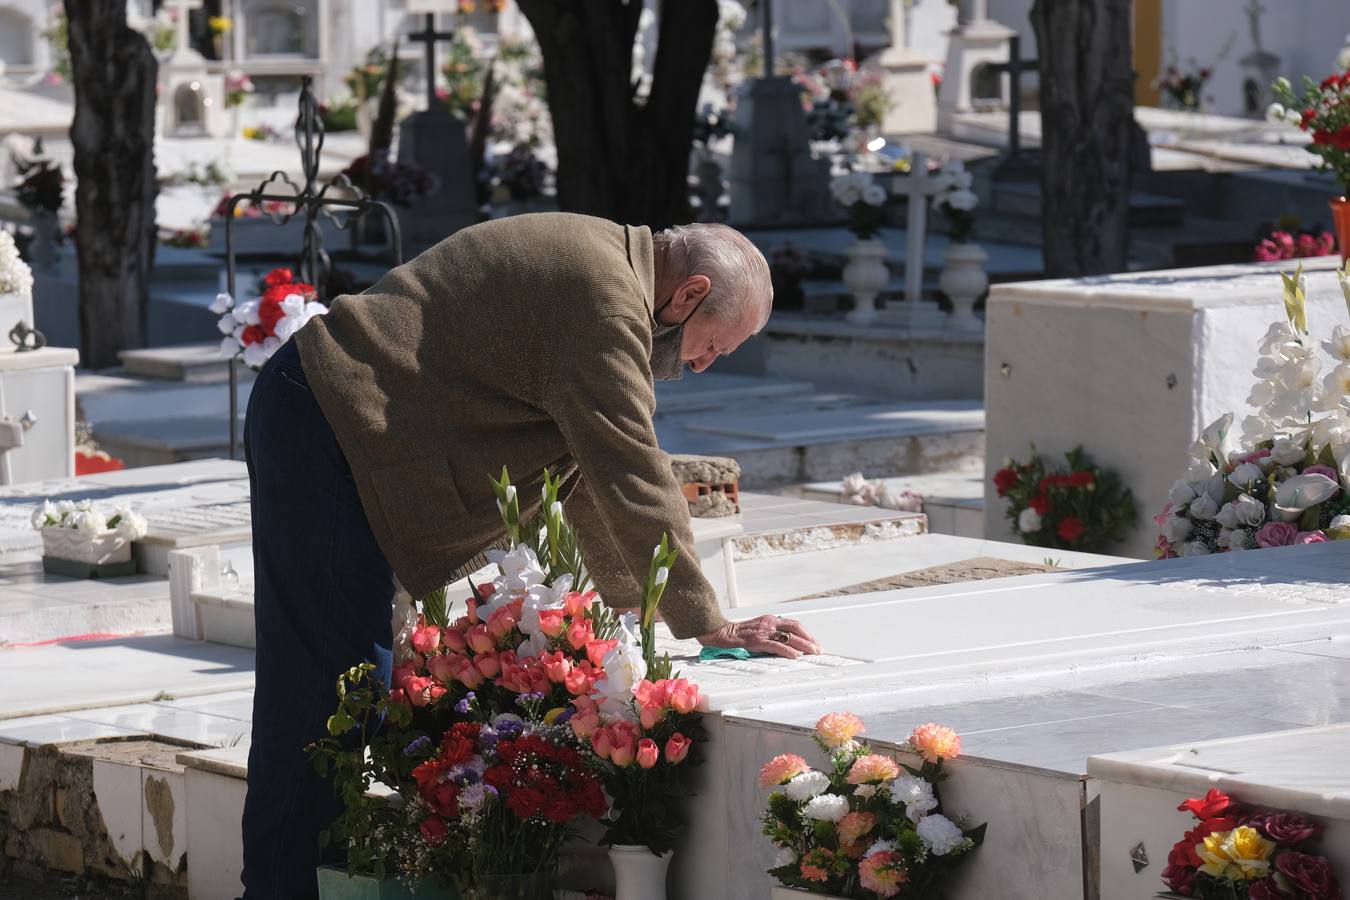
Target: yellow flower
(220, 24)
(1240, 855)
(552, 715)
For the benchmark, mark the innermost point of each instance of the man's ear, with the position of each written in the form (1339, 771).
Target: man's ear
(688, 295)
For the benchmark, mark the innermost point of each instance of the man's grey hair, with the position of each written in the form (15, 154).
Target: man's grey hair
(739, 273)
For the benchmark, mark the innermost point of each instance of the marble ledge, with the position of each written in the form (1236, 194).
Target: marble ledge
(826, 327)
(1173, 290)
(15, 361)
(231, 762)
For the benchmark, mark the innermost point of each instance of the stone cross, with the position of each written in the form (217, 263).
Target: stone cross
(182, 9)
(429, 36)
(1254, 9)
(918, 186)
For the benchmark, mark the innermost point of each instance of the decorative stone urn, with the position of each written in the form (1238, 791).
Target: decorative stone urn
(963, 280)
(639, 874)
(101, 549)
(866, 276)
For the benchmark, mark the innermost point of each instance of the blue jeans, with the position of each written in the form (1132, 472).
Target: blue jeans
(322, 604)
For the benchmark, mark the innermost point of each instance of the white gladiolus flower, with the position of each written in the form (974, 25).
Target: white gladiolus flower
(222, 304)
(540, 597)
(555, 510)
(1214, 435)
(1339, 344)
(916, 794)
(1275, 113)
(1029, 521)
(534, 645)
(826, 808)
(662, 575)
(1176, 529)
(1246, 474)
(807, 785)
(1195, 548)
(624, 668)
(939, 834)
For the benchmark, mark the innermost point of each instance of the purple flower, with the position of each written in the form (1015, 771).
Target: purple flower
(418, 744)
(1328, 471)
(462, 707)
(532, 697)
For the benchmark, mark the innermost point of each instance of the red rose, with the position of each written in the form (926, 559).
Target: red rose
(1005, 480)
(278, 276)
(1081, 479)
(1040, 503)
(433, 830)
(1211, 806)
(1310, 874)
(253, 334)
(1180, 879)
(1308, 116)
(1071, 528)
(1266, 889)
(1287, 829)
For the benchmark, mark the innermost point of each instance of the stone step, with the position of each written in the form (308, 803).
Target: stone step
(710, 390)
(193, 363)
(1024, 198)
(952, 501)
(164, 441)
(105, 398)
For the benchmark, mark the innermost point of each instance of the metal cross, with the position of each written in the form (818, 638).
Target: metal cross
(1015, 66)
(429, 36)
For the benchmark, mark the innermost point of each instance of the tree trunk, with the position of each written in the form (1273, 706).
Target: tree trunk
(619, 159)
(113, 72)
(1087, 111)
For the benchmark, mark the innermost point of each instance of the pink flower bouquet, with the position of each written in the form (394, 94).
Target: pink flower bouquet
(865, 826)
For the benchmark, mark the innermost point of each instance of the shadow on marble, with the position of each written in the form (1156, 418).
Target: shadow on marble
(165, 722)
(36, 731)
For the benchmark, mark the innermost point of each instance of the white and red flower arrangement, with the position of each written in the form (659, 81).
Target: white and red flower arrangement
(1083, 507)
(255, 329)
(865, 826)
(1286, 483)
(1239, 851)
(507, 725)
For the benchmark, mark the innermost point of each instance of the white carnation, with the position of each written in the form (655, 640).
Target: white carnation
(939, 834)
(1275, 113)
(826, 808)
(1029, 521)
(916, 794)
(1176, 529)
(807, 785)
(131, 526)
(91, 522)
(45, 514)
(64, 508)
(222, 304)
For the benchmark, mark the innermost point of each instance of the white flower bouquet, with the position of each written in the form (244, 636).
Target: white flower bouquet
(956, 200)
(82, 533)
(864, 200)
(1287, 482)
(15, 275)
(255, 329)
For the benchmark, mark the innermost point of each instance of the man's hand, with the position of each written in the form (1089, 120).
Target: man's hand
(764, 634)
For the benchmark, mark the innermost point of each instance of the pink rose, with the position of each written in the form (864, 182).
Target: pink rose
(1310, 537)
(426, 638)
(677, 748)
(647, 753)
(684, 697)
(453, 640)
(480, 640)
(1319, 469)
(551, 622)
(579, 634)
(1277, 534)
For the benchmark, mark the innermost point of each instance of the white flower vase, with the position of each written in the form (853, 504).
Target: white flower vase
(639, 874)
(963, 280)
(866, 276)
(104, 548)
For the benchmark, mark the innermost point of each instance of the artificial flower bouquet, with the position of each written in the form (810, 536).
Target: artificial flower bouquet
(1237, 851)
(864, 826)
(81, 540)
(255, 329)
(1285, 483)
(1083, 507)
(509, 725)
(1323, 111)
(864, 200)
(956, 200)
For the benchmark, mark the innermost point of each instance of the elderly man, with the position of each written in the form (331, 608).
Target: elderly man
(529, 342)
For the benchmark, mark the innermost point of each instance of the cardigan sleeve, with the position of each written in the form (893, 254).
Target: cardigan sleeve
(600, 395)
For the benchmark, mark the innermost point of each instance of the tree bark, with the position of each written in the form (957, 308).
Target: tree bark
(113, 73)
(618, 158)
(1087, 112)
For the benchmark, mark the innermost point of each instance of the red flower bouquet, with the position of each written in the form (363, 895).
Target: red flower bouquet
(1238, 851)
(1083, 508)
(255, 329)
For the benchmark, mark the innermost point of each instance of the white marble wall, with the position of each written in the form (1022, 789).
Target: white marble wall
(1132, 367)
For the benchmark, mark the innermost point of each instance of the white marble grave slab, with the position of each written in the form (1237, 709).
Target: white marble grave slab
(853, 422)
(1131, 366)
(1302, 770)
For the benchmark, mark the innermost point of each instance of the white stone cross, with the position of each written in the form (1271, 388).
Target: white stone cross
(181, 10)
(918, 186)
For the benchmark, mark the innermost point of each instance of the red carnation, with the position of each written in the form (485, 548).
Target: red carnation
(1071, 528)
(1082, 479)
(253, 334)
(433, 830)
(1040, 503)
(1005, 480)
(278, 276)
(1211, 806)
(269, 314)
